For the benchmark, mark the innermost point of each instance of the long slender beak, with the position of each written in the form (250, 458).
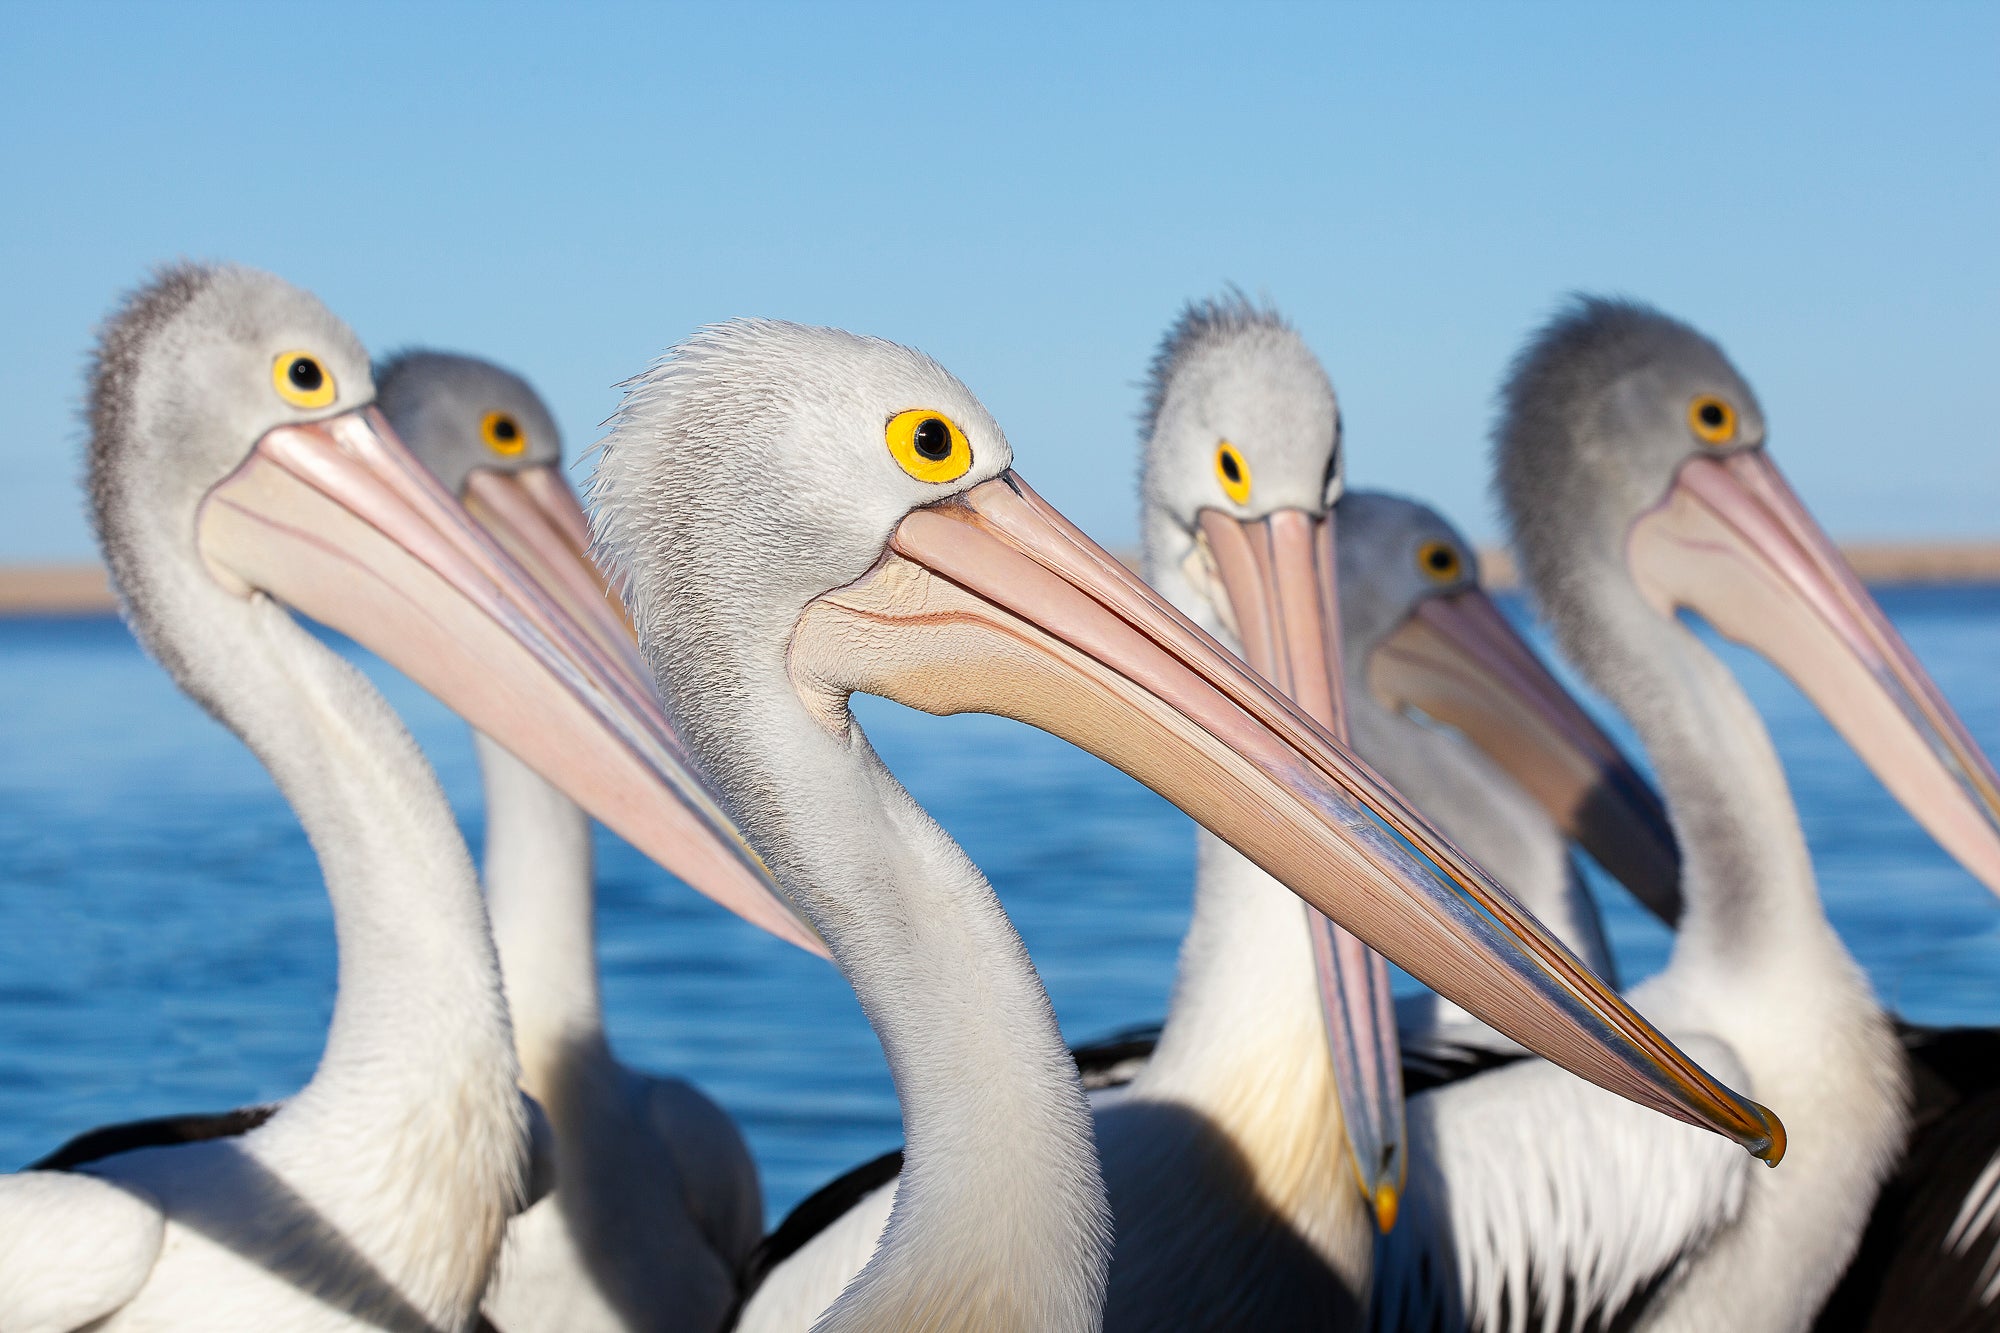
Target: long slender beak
(1732, 542)
(1458, 660)
(992, 602)
(340, 522)
(1279, 580)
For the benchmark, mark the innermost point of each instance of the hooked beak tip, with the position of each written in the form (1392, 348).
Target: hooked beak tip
(1386, 1203)
(1772, 1150)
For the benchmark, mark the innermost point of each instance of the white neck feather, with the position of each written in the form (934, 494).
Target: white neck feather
(541, 894)
(1000, 1220)
(411, 1139)
(1747, 876)
(1757, 964)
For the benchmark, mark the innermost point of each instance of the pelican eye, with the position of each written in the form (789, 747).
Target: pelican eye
(503, 434)
(301, 380)
(1232, 472)
(1712, 419)
(1440, 562)
(929, 445)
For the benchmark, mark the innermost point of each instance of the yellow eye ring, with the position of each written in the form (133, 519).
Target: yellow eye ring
(929, 445)
(301, 380)
(503, 434)
(1232, 472)
(1440, 562)
(1712, 420)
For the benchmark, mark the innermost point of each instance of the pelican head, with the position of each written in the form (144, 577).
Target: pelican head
(1421, 635)
(1239, 416)
(488, 437)
(249, 354)
(801, 513)
(1241, 467)
(471, 414)
(1631, 458)
(237, 459)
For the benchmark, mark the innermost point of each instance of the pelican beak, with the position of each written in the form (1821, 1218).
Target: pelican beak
(337, 520)
(1733, 543)
(1279, 590)
(992, 602)
(1457, 660)
(535, 517)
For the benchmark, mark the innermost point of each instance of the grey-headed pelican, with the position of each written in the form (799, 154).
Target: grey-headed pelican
(801, 513)
(236, 466)
(1632, 469)
(658, 1202)
(1522, 770)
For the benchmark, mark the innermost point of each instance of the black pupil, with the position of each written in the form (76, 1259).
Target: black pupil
(1711, 415)
(933, 439)
(1231, 468)
(1442, 560)
(305, 374)
(505, 429)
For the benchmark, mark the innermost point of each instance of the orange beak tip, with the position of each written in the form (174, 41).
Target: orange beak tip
(1386, 1203)
(1772, 1151)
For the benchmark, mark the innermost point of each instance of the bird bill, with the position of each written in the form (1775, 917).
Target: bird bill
(1276, 580)
(534, 516)
(338, 520)
(1733, 543)
(1457, 660)
(990, 601)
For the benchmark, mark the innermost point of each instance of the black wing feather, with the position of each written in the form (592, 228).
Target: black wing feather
(94, 1145)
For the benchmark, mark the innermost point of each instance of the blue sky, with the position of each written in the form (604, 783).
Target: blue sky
(1029, 194)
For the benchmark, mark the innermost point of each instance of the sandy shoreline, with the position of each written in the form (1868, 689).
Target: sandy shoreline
(81, 589)
(59, 590)
(1875, 562)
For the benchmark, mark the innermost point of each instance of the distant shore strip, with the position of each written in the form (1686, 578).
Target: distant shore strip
(82, 590)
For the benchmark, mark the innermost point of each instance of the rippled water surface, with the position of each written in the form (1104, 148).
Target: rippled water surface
(165, 944)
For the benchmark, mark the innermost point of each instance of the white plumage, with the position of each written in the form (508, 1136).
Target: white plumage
(73, 1249)
(1234, 1200)
(745, 476)
(658, 1202)
(800, 514)
(1598, 420)
(376, 1195)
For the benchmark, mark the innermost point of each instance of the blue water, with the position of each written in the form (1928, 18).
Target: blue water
(165, 945)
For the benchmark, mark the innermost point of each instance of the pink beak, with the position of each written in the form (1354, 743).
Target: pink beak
(1280, 579)
(990, 601)
(339, 521)
(1733, 543)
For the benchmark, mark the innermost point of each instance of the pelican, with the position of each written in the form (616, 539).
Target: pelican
(799, 513)
(1423, 645)
(1243, 421)
(1632, 469)
(236, 464)
(659, 1202)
